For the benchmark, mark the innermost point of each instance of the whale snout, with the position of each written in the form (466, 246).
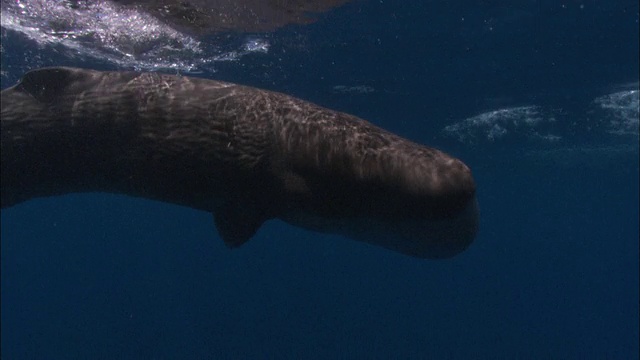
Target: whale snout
(423, 238)
(442, 238)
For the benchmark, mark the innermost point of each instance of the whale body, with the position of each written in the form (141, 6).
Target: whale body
(244, 154)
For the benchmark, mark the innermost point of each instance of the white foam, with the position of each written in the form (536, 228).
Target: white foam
(522, 121)
(124, 36)
(622, 108)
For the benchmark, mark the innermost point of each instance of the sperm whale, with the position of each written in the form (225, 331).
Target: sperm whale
(244, 154)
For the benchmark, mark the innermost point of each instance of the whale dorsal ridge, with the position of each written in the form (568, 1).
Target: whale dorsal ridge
(46, 84)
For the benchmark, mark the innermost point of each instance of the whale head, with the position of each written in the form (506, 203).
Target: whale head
(346, 176)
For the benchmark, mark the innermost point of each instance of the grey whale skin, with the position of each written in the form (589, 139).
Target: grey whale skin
(244, 154)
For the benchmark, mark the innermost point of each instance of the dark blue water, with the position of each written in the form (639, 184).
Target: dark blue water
(553, 272)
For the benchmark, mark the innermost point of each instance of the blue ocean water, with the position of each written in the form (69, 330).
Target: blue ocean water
(539, 98)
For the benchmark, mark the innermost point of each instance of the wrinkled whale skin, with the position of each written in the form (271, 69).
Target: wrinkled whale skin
(244, 154)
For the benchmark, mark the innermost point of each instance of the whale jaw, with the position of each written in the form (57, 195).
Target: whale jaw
(440, 238)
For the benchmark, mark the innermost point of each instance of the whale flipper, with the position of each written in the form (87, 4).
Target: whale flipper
(237, 224)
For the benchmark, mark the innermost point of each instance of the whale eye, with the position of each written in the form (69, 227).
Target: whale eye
(45, 84)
